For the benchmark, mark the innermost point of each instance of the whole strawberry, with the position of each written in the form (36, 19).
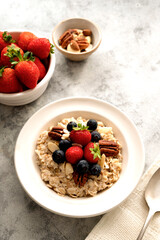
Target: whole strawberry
(5, 40)
(6, 57)
(41, 68)
(92, 152)
(8, 81)
(24, 39)
(80, 135)
(40, 47)
(28, 73)
(74, 154)
(26, 70)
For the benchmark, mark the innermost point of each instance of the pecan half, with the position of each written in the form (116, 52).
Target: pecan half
(109, 148)
(83, 44)
(80, 179)
(64, 35)
(66, 41)
(56, 133)
(65, 38)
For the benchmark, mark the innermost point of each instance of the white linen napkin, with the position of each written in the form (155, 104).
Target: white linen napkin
(125, 221)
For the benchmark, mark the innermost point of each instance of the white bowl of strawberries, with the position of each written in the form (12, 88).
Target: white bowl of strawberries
(26, 67)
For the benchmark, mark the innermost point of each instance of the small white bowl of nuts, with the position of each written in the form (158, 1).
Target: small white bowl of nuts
(76, 38)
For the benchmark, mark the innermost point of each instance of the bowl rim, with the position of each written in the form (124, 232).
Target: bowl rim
(42, 82)
(81, 53)
(91, 212)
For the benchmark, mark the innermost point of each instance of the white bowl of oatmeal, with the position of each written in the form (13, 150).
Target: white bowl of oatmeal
(57, 191)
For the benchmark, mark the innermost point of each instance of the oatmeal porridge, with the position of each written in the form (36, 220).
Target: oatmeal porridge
(79, 157)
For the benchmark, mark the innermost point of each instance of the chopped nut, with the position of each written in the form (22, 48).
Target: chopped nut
(101, 162)
(87, 32)
(80, 179)
(68, 169)
(52, 146)
(74, 45)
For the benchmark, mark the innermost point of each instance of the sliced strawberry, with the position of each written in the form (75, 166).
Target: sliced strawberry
(74, 154)
(80, 135)
(92, 152)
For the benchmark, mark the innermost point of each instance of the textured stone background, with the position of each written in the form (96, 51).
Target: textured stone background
(124, 71)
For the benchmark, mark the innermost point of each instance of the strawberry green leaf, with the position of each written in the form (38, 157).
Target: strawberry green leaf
(28, 56)
(1, 71)
(95, 151)
(14, 62)
(7, 37)
(12, 52)
(52, 48)
(80, 127)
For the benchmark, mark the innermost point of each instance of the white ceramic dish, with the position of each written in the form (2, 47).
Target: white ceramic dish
(79, 23)
(22, 98)
(29, 174)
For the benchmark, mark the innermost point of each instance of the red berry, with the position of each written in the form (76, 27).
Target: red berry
(92, 152)
(28, 73)
(80, 136)
(24, 39)
(41, 68)
(40, 47)
(74, 154)
(9, 82)
(5, 40)
(5, 59)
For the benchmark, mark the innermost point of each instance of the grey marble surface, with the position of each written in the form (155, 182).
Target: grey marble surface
(124, 71)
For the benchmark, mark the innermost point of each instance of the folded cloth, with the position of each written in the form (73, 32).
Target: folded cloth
(125, 221)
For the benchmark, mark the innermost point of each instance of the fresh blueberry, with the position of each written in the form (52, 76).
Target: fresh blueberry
(95, 136)
(64, 144)
(95, 169)
(92, 124)
(58, 156)
(82, 166)
(70, 126)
